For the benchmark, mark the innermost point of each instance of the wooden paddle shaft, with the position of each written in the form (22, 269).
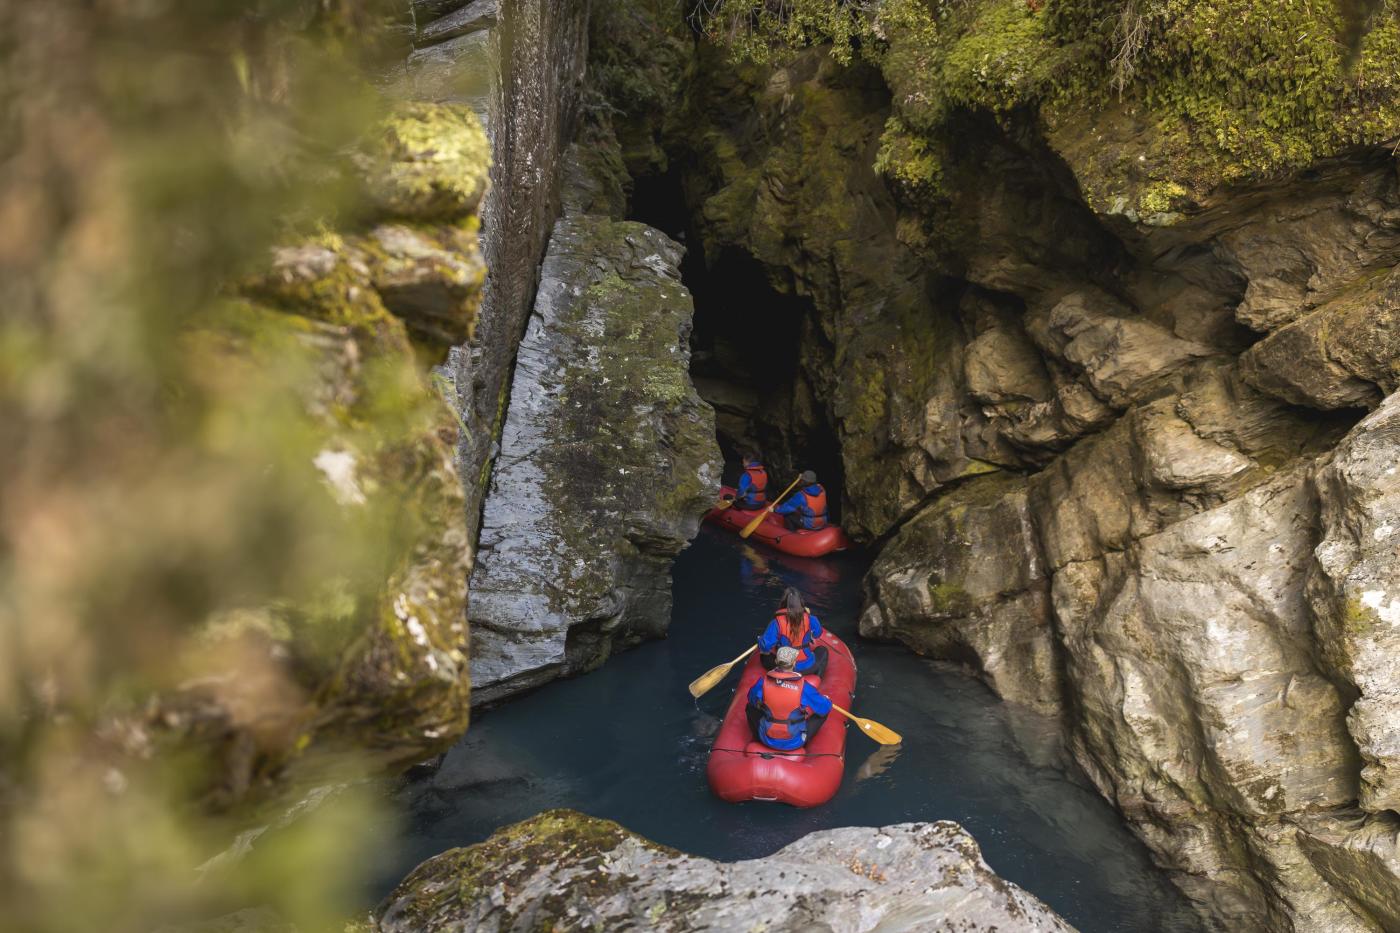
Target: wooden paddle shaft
(749, 528)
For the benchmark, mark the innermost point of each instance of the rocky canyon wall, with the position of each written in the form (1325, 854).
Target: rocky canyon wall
(607, 456)
(520, 65)
(1100, 405)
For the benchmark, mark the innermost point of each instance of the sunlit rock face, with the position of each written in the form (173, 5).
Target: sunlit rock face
(562, 868)
(1352, 586)
(1111, 458)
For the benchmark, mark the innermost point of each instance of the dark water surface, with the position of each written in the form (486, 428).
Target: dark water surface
(628, 743)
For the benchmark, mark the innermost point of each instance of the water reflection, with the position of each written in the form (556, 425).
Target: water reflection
(878, 763)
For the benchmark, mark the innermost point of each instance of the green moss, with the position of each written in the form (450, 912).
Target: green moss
(911, 162)
(1205, 94)
(428, 162)
(1159, 198)
(1357, 620)
(562, 839)
(949, 599)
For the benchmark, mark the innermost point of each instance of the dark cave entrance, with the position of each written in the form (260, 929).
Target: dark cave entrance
(745, 351)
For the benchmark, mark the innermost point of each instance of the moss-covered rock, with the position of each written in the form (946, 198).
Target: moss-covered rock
(1154, 104)
(608, 460)
(565, 870)
(377, 651)
(428, 162)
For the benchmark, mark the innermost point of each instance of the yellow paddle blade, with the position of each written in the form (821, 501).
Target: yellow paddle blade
(723, 504)
(706, 681)
(881, 734)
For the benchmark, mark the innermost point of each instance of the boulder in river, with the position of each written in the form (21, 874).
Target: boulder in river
(565, 870)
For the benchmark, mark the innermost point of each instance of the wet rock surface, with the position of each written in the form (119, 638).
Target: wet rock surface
(566, 869)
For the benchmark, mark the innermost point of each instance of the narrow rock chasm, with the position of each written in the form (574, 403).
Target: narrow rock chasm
(747, 346)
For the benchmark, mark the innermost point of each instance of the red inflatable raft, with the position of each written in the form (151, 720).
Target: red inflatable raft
(741, 768)
(775, 533)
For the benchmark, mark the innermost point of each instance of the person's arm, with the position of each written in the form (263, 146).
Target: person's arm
(793, 502)
(745, 484)
(815, 701)
(768, 641)
(817, 630)
(756, 693)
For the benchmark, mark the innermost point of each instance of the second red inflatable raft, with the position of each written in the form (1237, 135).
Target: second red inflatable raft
(775, 533)
(741, 768)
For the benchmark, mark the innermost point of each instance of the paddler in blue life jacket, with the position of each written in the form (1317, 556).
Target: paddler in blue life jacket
(806, 508)
(785, 711)
(795, 627)
(752, 494)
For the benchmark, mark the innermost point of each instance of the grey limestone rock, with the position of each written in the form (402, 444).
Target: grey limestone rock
(564, 870)
(1354, 590)
(608, 460)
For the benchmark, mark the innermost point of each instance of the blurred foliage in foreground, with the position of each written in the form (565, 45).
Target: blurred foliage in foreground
(202, 496)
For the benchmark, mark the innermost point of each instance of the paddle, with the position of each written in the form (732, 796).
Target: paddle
(871, 728)
(723, 504)
(752, 526)
(706, 681)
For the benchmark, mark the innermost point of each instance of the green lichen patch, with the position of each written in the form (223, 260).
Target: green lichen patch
(1150, 101)
(567, 840)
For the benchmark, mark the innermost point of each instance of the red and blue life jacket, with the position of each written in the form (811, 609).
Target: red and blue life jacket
(756, 497)
(814, 508)
(784, 722)
(800, 635)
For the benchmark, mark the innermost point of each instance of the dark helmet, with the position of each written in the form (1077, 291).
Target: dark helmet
(809, 478)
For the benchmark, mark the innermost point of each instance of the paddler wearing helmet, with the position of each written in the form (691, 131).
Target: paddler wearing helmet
(784, 710)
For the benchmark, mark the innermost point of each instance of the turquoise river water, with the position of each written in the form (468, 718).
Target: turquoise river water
(628, 743)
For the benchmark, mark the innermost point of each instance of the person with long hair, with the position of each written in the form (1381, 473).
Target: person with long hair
(794, 626)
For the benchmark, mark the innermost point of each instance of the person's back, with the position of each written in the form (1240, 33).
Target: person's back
(752, 493)
(807, 507)
(794, 626)
(784, 711)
